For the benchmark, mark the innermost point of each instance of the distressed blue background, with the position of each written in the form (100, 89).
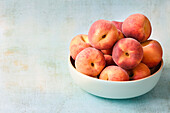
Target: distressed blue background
(34, 46)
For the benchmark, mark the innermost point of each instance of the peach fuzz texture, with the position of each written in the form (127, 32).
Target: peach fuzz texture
(120, 35)
(90, 61)
(102, 34)
(152, 53)
(78, 43)
(137, 26)
(140, 71)
(114, 73)
(127, 53)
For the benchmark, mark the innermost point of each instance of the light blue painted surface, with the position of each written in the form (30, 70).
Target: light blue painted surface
(34, 44)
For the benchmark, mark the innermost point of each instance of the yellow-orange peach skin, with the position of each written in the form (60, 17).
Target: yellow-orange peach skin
(120, 35)
(152, 53)
(140, 71)
(77, 44)
(107, 51)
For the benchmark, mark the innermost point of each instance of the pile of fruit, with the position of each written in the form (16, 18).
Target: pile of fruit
(117, 51)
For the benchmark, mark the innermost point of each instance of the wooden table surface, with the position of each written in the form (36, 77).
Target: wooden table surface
(34, 47)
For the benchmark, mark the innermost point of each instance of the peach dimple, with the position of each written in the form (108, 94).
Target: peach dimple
(85, 38)
(90, 61)
(78, 43)
(127, 53)
(102, 34)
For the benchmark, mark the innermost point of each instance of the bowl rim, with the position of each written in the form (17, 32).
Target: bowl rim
(122, 82)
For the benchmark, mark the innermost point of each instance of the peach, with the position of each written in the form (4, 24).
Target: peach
(120, 35)
(127, 53)
(107, 51)
(114, 73)
(140, 71)
(78, 43)
(118, 25)
(137, 26)
(152, 53)
(109, 60)
(102, 34)
(90, 61)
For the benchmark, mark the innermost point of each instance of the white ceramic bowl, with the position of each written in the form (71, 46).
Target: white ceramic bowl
(114, 89)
